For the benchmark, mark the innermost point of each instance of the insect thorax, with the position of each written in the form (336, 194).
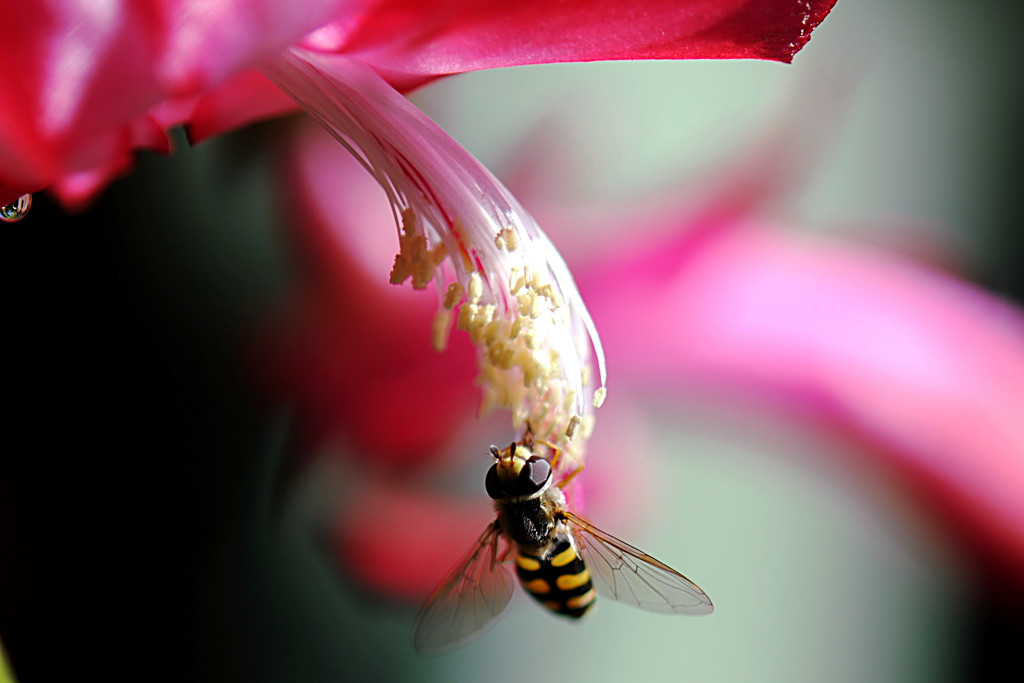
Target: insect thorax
(528, 522)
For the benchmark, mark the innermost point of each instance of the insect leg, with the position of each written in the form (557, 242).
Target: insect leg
(505, 552)
(569, 477)
(529, 440)
(495, 560)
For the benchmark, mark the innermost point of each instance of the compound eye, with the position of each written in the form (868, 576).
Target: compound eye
(535, 473)
(493, 485)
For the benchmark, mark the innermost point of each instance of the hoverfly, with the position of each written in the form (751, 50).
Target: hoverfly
(560, 559)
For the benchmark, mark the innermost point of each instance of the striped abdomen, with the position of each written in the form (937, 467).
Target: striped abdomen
(557, 577)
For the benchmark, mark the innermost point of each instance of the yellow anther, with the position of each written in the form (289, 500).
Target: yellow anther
(452, 295)
(475, 289)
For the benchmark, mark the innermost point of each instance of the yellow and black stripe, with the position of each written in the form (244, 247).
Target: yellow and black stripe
(557, 577)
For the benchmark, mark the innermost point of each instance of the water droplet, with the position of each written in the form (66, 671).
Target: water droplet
(17, 209)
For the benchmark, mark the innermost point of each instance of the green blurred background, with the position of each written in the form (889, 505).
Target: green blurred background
(148, 526)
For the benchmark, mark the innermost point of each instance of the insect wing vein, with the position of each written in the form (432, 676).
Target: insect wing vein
(477, 589)
(629, 575)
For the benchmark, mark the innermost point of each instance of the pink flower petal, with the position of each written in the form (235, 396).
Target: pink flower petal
(412, 41)
(218, 110)
(925, 371)
(79, 75)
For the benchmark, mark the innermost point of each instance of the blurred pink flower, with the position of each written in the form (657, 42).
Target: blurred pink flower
(353, 349)
(923, 371)
(86, 83)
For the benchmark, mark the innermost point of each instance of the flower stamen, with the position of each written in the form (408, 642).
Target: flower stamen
(461, 229)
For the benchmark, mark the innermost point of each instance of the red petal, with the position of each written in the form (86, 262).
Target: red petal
(219, 110)
(401, 542)
(79, 75)
(410, 41)
(79, 71)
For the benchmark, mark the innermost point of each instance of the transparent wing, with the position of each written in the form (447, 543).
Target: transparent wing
(626, 574)
(467, 600)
